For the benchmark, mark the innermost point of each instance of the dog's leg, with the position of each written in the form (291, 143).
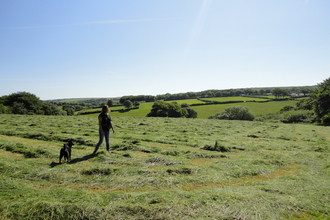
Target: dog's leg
(69, 155)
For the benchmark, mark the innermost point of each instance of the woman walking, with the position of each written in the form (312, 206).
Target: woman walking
(105, 125)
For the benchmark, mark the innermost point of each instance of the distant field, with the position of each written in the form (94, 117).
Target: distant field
(187, 101)
(204, 111)
(143, 110)
(236, 98)
(258, 109)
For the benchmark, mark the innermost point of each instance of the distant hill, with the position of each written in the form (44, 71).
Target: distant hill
(68, 100)
(291, 89)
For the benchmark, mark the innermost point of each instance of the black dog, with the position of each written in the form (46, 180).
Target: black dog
(66, 151)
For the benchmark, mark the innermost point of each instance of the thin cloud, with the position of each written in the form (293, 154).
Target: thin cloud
(197, 29)
(91, 23)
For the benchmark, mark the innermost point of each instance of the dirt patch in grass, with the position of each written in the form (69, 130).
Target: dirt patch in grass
(9, 154)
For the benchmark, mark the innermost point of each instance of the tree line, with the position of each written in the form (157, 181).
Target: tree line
(277, 92)
(27, 103)
(317, 102)
(314, 108)
(171, 109)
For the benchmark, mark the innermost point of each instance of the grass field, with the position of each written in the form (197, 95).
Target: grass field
(163, 168)
(204, 111)
(258, 109)
(237, 98)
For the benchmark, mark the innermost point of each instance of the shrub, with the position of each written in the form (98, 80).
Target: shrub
(164, 109)
(235, 113)
(320, 97)
(128, 104)
(298, 116)
(286, 108)
(326, 119)
(304, 104)
(191, 113)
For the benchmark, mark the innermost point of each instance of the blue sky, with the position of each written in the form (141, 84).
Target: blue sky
(110, 48)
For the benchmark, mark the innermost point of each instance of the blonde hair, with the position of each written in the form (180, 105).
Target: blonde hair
(105, 109)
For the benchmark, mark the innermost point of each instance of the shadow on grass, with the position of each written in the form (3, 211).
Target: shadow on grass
(76, 160)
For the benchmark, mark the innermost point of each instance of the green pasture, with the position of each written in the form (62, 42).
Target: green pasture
(236, 98)
(163, 168)
(258, 109)
(204, 111)
(187, 101)
(143, 110)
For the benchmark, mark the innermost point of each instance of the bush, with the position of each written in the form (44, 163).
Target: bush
(286, 108)
(320, 97)
(326, 119)
(128, 104)
(191, 113)
(235, 113)
(304, 104)
(165, 109)
(3, 109)
(298, 116)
